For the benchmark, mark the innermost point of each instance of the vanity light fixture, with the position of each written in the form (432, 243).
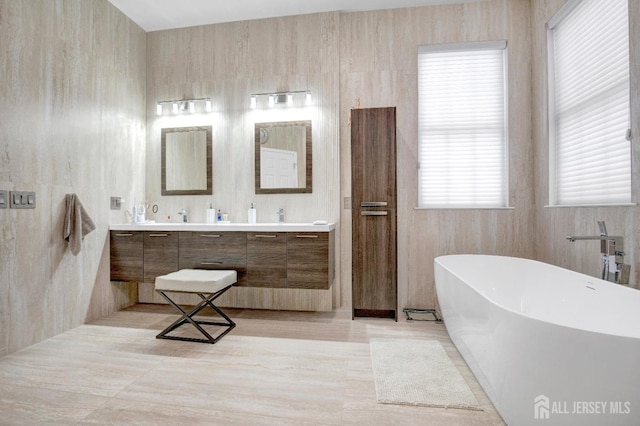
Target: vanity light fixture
(279, 98)
(184, 106)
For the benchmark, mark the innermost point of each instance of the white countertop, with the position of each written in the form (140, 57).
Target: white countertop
(217, 227)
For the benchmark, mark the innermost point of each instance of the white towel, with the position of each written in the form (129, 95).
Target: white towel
(77, 223)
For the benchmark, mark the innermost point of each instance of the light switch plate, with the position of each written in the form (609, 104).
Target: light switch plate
(22, 200)
(116, 203)
(3, 199)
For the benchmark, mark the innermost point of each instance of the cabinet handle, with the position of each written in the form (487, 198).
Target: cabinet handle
(210, 235)
(158, 235)
(124, 235)
(211, 263)
(266, 236)
(374, 213)
(306, 236)
(373, 204)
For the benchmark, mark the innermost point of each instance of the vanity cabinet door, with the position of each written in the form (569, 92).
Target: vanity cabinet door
(267, 259)
(310, 263)
(126, 256)
(160, 254)
(214, 250)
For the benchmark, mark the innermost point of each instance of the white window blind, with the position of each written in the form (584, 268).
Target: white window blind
(462, 126)
(590, 158)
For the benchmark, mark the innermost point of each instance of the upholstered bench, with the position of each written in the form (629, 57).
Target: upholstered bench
(208, 285)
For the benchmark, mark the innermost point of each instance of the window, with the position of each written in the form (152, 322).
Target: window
(589, 155)
(462, 126)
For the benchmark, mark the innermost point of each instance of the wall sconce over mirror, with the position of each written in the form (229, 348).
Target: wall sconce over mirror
(182, 106)
(283, 160)
(281, 98)
(186, 161)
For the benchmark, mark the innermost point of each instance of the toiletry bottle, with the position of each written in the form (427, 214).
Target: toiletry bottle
(252, 216)
(219, 217)
(211, 214)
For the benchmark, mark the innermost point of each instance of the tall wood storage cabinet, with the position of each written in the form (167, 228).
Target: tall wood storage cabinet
(373, 183)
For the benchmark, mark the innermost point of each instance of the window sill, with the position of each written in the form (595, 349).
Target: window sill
(464, 208)
(593, 206)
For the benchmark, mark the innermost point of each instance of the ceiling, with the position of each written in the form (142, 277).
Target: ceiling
(154, 15)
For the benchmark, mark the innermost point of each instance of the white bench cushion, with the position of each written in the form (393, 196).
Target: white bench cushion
(196, 281)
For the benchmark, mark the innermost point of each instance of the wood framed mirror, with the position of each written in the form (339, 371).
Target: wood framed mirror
(186, 161)
(283, 158)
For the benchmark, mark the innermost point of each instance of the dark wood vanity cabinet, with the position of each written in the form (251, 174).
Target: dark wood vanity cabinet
(126, 251)
(310, 260)
(214, 250)
(299, 260)
(160, 254)
(267, 259)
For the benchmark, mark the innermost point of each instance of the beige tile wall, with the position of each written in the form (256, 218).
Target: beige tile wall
(553, 224)
(80, 81)
(378, 67)
(343, 57)
(72, 119)
(228, 62)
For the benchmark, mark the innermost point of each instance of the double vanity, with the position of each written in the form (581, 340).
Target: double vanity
(280, 266)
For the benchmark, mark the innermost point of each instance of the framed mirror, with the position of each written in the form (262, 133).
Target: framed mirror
(186, 161)
(283, 161)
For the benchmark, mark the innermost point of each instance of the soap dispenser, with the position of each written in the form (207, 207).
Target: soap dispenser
(219, 216)
(252, 215)
(211, 214)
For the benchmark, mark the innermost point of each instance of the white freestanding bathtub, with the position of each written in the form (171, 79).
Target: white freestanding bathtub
(549, 346)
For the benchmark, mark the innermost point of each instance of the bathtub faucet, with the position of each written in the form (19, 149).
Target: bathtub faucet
(611, 255)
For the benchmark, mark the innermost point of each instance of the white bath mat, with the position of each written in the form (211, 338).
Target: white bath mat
(418, 372)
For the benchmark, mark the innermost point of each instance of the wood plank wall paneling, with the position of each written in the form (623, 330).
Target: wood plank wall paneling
(73, 121)
(553, 224)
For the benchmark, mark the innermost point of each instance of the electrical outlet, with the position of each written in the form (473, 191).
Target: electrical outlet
(347, 203)
(3, 199)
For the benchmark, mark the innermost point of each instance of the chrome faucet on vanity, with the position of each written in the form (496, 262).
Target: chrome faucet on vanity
(611, 255)
(184, 214)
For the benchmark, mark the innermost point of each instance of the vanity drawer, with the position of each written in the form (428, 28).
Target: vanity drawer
(160, 254)
(267, 259)
(214, 250)
(126, 256)
(309, 260)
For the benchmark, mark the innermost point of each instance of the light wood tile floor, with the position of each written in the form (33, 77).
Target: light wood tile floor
(274, 368)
